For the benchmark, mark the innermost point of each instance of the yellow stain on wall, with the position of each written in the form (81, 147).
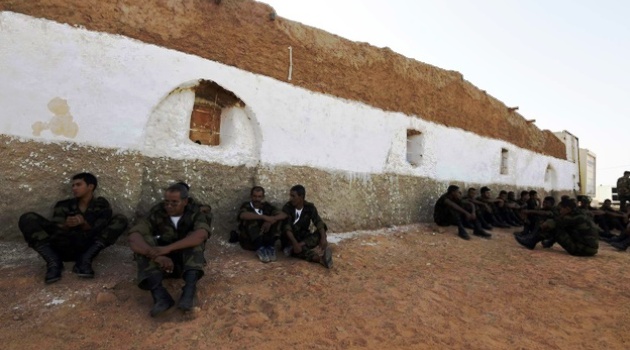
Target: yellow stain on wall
(61, 123)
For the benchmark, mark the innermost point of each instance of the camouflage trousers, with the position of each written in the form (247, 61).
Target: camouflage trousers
(250, 237)
(183, 260)
(311, 241)
(69, 244)
(573, 244)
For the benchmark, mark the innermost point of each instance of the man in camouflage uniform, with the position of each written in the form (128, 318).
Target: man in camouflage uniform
(572, 229)
(623, 190)
(259, 225)
(170, 243)
(80, 228)
(450, 210)
(298, 240)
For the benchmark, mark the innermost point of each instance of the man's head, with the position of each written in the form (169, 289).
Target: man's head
(175, 199)
(511, 196)
(503, 195)
(296, 195)
(566, 206)
(533, 194)
(472, 192)
(83, 184)
(584, 201)
(257, 195)
(525, 195)
(626, 173)
(454, 192)
(607, 203)
(548, 202)
(485, 192)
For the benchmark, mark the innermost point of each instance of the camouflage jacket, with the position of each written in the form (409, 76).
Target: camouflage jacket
(623, 186)
(579, 225)
(97, 215)
(267, 209)
(302, 226)
(157, 228)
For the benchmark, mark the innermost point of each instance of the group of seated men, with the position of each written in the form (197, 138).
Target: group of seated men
(572, 223)
(170, 241)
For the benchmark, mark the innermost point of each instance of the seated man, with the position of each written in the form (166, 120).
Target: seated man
(491, 216)
(80, 228)
(298, 240)
(572, 229)
(449, 210)
(471, 199)
(584, 204)
(259, 225)
(170, 242)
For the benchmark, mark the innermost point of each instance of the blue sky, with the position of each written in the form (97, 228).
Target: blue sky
(564, 63)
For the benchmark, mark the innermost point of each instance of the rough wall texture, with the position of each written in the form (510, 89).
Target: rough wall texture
(240, 33)
(36, 175)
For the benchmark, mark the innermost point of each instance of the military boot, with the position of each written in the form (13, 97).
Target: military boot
(621, 245)
(83, 266)
(461, 232)
(162, 300)
(528, 241)
(54, 265)
(186, 301)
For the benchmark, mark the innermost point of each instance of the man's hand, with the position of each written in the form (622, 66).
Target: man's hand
(165, 263)
(264, 228)
(156, 252)
(75, 220)
(323, 244)
(297, 247)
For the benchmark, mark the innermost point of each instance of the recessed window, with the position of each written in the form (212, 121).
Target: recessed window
(504, 161)
(205, 120)
(415, 147)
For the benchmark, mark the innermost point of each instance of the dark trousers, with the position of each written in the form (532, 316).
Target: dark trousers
(69, 244)
(183, 260)
(250, 236)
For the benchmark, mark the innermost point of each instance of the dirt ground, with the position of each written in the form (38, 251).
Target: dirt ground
(410, 287)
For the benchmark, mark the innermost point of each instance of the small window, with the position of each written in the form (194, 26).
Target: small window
(205, 120)
(414, 147)
(504, 161)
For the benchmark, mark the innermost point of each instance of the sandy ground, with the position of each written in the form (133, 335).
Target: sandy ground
(410, 287)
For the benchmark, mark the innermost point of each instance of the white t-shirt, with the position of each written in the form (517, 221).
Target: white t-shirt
(175, 220)
(258, 211)
(298, 212)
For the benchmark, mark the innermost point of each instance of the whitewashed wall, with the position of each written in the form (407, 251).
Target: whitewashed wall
(128, 95)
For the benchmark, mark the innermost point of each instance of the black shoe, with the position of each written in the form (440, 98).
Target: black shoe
(528, 241)
(233, 237)
(83, 266)
(487, 227)
(548, 243)
(326, 259)
(621, 245)
(162, 300)
(187, 300)
(463, 235)
(467, 225)
(482, 234)
(54, 266)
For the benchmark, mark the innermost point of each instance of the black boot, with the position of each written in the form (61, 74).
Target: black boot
(621, 245)
(162, 300)
(83, 266)
(54, 266)
(528, 241)
(478, 231)
(461, 232)
(187, 299)
(548, 243)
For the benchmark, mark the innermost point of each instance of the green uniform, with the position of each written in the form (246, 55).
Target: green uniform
(300, 226)
(250, 236)
(575, 232)
(72, 242)
(158, 230)
(623, 191)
